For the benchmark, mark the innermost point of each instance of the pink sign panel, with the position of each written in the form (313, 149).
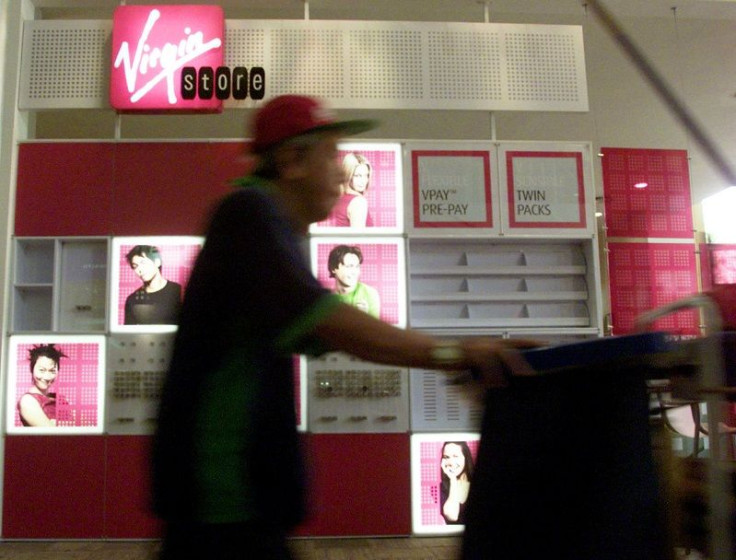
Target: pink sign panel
(545, 189)
(151, 45)
(149, 279)
(440, 461)
(647, 193)
(371, 193)
(646, 276)
(56, 384)
(719, 264)
(451, 189)
(367, 273)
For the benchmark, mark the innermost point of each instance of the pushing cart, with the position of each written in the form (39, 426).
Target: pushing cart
(570, 465)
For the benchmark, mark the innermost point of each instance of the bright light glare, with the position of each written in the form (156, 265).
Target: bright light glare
(718, 216)
(641, 185)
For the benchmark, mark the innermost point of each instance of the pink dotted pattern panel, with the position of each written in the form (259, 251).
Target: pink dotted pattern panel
(77, 384)
(427, 474)
(645, 276)
(382, 268)
(384, 185)
(662, 208)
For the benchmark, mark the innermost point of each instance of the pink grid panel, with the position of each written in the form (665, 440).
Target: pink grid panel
(177, 263)
(646, 276)
(381, 193)
(662, 209)
(430, 453)
(722, 261)
(77, 381)
(380, 269)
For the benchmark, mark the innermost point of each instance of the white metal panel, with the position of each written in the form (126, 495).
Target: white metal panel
(352, 64)
(65, 64)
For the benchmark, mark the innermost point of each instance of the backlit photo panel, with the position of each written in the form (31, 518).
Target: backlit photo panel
(368, 273)
(149, 277)
(372, 199)
(442, 467)
(56, 384)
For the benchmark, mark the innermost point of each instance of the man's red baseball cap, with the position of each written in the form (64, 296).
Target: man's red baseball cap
(288, 116)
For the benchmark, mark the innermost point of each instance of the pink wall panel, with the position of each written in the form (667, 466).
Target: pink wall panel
(360, 485)
(54, 487)
(128, 490)
(662, 209)
(64, 188)
(646, 276)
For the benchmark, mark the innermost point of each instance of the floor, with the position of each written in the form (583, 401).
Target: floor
(403, 548)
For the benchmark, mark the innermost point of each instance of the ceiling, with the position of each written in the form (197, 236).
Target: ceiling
(410, 10)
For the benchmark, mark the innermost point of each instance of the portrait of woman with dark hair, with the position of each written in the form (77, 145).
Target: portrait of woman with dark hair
(37, 406)
(456, 466)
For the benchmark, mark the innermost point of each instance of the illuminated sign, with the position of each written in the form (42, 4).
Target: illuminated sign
(171, 58)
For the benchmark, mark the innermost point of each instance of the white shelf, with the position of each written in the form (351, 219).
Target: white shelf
(60, 285)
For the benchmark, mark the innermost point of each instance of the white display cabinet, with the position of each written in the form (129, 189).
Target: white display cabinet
(136, 367)
(349, 395)
(503, 283)
(438, 404)
(60, 285)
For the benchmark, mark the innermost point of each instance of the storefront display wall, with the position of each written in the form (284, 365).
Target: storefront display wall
(103, 205)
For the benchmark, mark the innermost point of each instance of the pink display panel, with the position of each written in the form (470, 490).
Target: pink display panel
(662, 208)
(645, 276)
(718, 264)
(437, 460)
(175, 257)
(545, 189)
(64, 375)
(381, 280)
(150, 47)
(451, 189)
(372, 193)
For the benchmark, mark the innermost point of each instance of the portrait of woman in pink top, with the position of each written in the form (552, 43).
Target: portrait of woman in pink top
(352, 208)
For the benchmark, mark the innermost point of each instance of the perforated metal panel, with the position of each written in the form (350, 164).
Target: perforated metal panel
(465, 65)
(65, 64)
(352, 64)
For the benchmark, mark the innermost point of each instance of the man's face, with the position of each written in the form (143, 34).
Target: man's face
(322, 175)
(347, 272)
(145, 268)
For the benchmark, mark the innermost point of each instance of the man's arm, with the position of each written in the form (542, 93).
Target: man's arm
(355, 332)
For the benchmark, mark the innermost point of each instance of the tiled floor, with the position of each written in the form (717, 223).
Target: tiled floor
(405, 548)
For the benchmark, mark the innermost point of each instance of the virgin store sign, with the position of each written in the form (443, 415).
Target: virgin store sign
(158, 50)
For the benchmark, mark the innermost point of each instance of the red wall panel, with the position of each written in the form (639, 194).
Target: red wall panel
(54, 487)
(125, 188)
(168, 188)
(360, 485)
(128, 490)
(64, 188)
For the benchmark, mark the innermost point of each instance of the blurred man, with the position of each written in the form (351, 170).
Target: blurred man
(227, 469)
